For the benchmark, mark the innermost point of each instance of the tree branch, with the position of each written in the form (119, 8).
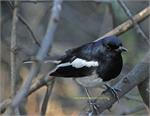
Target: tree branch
(13, 49)
(13, 54)
(46, 97)
(128, 82)
(137, 26)
(128, 24)
(43, 51)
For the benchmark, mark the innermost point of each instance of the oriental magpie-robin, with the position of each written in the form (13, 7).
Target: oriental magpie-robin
(100, 58)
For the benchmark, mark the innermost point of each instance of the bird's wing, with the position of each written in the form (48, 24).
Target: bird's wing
(76, 68)
(75, 63)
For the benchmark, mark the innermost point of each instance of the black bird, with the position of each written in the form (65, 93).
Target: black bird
(100, 58)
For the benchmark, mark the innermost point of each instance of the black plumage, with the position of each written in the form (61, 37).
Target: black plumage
(102, 57)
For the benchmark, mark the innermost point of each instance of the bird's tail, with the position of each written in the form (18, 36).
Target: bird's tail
(46, 61)
(52, 61)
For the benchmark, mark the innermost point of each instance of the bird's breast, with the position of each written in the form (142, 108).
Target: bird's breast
(110, 68)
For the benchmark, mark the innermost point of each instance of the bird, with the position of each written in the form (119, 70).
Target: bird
(101, 58)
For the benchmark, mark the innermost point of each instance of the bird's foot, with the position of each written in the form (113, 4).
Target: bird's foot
(93, 108)
(92, 104)
(113, 91)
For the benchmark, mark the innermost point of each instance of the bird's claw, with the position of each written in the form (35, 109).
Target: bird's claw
(93, 108)
(113, 91)
(92, 104)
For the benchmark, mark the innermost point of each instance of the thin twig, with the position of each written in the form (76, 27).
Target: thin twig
(128, 24)
(13, 54)
(129, 14)
(35, 40)
(46, 43)
(46, 97)
(13, 48)
(43, 51)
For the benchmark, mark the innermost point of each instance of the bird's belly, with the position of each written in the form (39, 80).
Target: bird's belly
(90, 81)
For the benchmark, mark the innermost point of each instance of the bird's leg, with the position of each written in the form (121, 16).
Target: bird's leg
(92, 104)
(89, 97)
(113, 91)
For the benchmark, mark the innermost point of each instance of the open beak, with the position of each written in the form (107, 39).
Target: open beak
(122, 49)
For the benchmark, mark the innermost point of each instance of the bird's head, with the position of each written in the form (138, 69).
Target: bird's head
(113, 44)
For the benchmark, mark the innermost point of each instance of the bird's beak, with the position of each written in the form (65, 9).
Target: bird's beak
(122, 49)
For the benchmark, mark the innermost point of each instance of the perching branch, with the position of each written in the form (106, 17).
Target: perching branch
(137, 26)
(117, 31)
(137, 75)
(128, 24)
(43, 51)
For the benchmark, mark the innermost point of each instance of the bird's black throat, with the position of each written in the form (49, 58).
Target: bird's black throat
(110, 67)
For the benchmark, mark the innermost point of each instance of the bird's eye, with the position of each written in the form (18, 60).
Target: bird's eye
(108, 47)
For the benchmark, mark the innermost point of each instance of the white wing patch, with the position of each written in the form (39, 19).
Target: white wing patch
(61, 65)
(79, 63)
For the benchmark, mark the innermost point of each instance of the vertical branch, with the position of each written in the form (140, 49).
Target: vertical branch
(43, 51)
(137, 26)
(52, 25)
(46, 97)
(13, 50)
